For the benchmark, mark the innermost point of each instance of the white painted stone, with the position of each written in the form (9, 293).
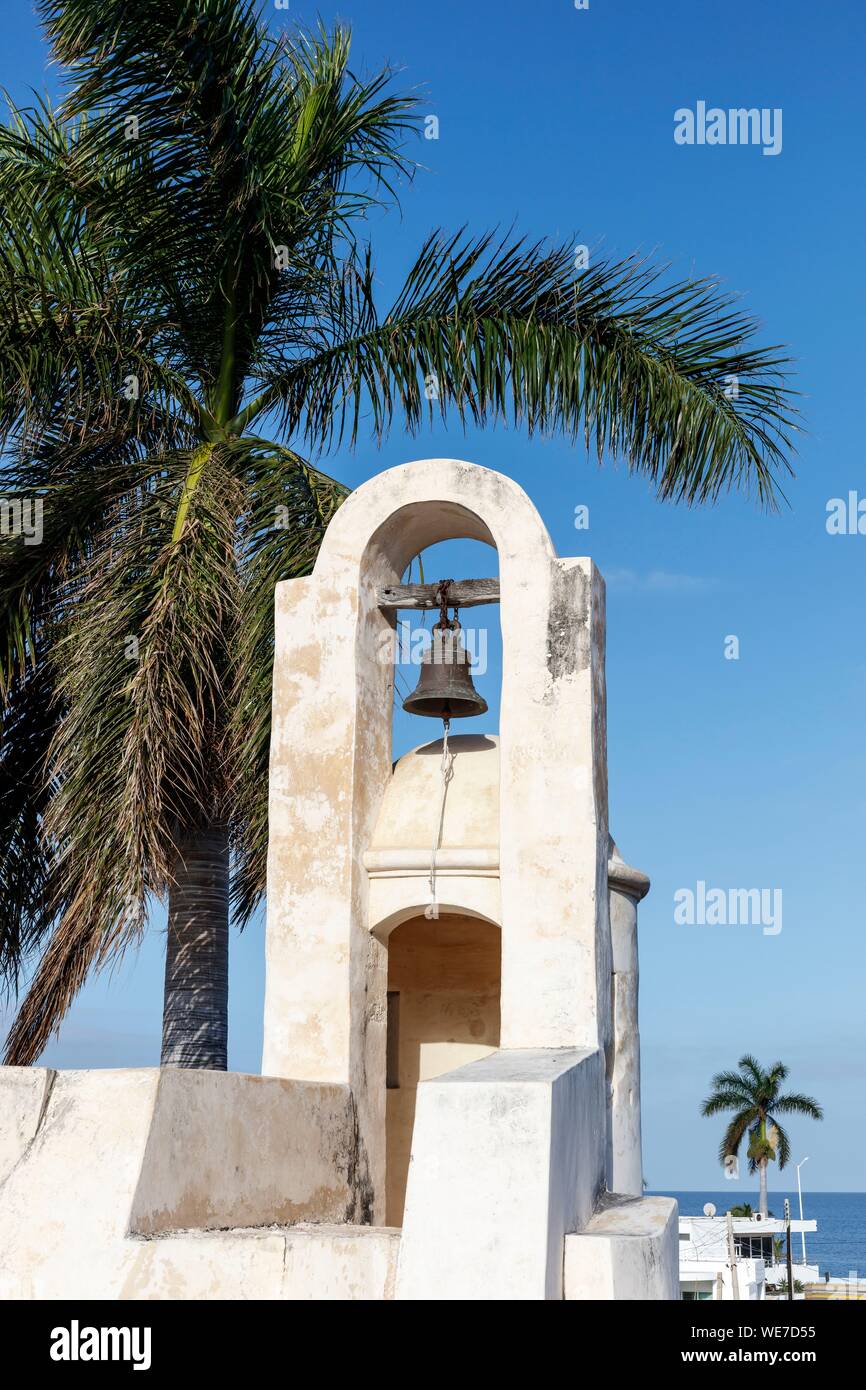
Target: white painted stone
(301, 1263)
(626, 886)
(64, 1210)
(507, 1156)
(398, 860)
(24, 1094)
(119, 1155)
(409, 814)
(628, 1252)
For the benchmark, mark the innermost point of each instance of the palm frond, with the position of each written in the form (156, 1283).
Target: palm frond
(733, 1136)
(243, 145)
(28, 721)
(141, 667)
(731, 1081)
(753, 1073)
(635, 366)
(782, 1144)
(94, 924)
(723, 1099)
(76, 330)
(794, 1103)
(757, 1150)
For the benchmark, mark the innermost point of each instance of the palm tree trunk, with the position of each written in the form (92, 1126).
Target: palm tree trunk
(762, 1172)
(195, 1010)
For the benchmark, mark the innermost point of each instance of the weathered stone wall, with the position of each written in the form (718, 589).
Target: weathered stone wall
(628, 1252)
(105, 1159)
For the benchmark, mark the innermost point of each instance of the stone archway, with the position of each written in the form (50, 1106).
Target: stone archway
(325, 998)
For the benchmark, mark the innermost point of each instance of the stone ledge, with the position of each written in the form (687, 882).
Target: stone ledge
(321, 1263)
(628, 1251)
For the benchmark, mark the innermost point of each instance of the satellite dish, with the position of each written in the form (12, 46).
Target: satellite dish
(709, 1209)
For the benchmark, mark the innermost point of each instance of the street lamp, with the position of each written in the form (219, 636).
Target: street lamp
(800, 1195)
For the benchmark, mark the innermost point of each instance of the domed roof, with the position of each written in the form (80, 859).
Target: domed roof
(409, 817)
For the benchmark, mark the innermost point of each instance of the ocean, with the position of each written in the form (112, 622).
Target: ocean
(838, 1245)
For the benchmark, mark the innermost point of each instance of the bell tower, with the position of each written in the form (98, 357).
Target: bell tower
(350, 860)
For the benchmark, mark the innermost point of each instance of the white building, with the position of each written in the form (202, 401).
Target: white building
(759, 1249)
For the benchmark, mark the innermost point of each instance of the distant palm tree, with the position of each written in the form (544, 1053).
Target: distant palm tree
(744, 1209)
(187, 312)
(754, 1096)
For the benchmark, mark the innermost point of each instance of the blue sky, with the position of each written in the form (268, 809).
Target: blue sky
(746, 773)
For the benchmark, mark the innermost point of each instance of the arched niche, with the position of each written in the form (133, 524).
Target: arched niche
(443, 1011)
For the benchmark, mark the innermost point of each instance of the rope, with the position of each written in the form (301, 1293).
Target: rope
(431, 912)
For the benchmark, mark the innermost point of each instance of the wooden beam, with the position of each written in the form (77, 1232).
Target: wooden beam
(463, 593)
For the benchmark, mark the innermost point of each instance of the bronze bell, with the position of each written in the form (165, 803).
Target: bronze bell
(445, 689)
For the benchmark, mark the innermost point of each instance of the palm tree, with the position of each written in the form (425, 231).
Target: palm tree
(754, 1096)
(742, 1209)
(183, 287)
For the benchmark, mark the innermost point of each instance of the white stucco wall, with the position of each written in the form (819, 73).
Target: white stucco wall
(113, 1157)
(508, 1155)
(627, 1252)
(751, 1278)
(24, 1093)
(318, 1263)
(408, 824)
(627, 886)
